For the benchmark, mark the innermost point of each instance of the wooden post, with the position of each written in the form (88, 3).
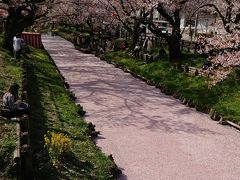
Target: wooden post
(26, 154)
(25, 138)
(24, 123)
(182, 45)
(195, 47)
(17, 153)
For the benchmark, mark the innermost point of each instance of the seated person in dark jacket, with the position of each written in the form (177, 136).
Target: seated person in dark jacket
(11, 105)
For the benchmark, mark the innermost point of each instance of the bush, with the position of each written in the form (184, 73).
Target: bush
(56, 144)
(120, 44)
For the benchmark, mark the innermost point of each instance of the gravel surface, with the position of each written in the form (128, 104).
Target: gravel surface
(150, 135)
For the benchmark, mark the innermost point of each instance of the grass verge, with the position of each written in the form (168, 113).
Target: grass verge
(10, 71)
(52, 109)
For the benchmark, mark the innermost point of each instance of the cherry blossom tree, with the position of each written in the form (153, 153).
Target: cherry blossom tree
(227, 10)
(64, 12)
(22, 14)
(229, 15)
(134, 13)
(224, 48)
(171, 11)
(80, 13)
(131, 14)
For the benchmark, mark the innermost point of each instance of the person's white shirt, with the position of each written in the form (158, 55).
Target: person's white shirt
(17, 43)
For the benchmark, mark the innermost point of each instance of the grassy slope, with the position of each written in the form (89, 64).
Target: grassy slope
(68, 34)
(53, 109)
(10, 71)
(224, 97)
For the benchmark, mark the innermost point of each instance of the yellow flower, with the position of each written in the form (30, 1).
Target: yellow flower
(56, 144)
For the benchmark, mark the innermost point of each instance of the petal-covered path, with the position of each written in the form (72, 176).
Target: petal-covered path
(151, 136)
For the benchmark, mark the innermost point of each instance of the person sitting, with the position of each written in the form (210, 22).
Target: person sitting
(13, 107)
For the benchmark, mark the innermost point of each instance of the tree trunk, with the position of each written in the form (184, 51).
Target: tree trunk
(11, 29)
(8, 39)
(16, 23)
(135, 37)
(135, 33)
(174, 46)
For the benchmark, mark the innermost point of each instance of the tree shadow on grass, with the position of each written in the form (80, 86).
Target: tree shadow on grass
(71, 167)
(7, 146)
(82, 168)
(38, 127)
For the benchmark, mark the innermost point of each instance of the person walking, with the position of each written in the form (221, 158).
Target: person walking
(145, 44)
(17, 46)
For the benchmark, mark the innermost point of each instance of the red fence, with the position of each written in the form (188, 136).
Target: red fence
(32, 39)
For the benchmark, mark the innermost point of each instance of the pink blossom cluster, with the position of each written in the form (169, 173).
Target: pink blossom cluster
(217, 74)
(223, 41)
(227, 59)
(226, 48)
(225, 54)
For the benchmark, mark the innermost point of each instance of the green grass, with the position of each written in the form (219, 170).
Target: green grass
(8, 141)
(69, 34)
(223, 98)
(193, 60)
(10, 71)
(53, 109)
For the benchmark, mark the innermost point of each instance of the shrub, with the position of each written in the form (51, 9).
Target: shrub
(56, 144)
(120, 44)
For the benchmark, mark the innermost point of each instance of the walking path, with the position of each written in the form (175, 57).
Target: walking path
(151, 136)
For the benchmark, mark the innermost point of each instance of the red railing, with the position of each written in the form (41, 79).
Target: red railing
(32, 39)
